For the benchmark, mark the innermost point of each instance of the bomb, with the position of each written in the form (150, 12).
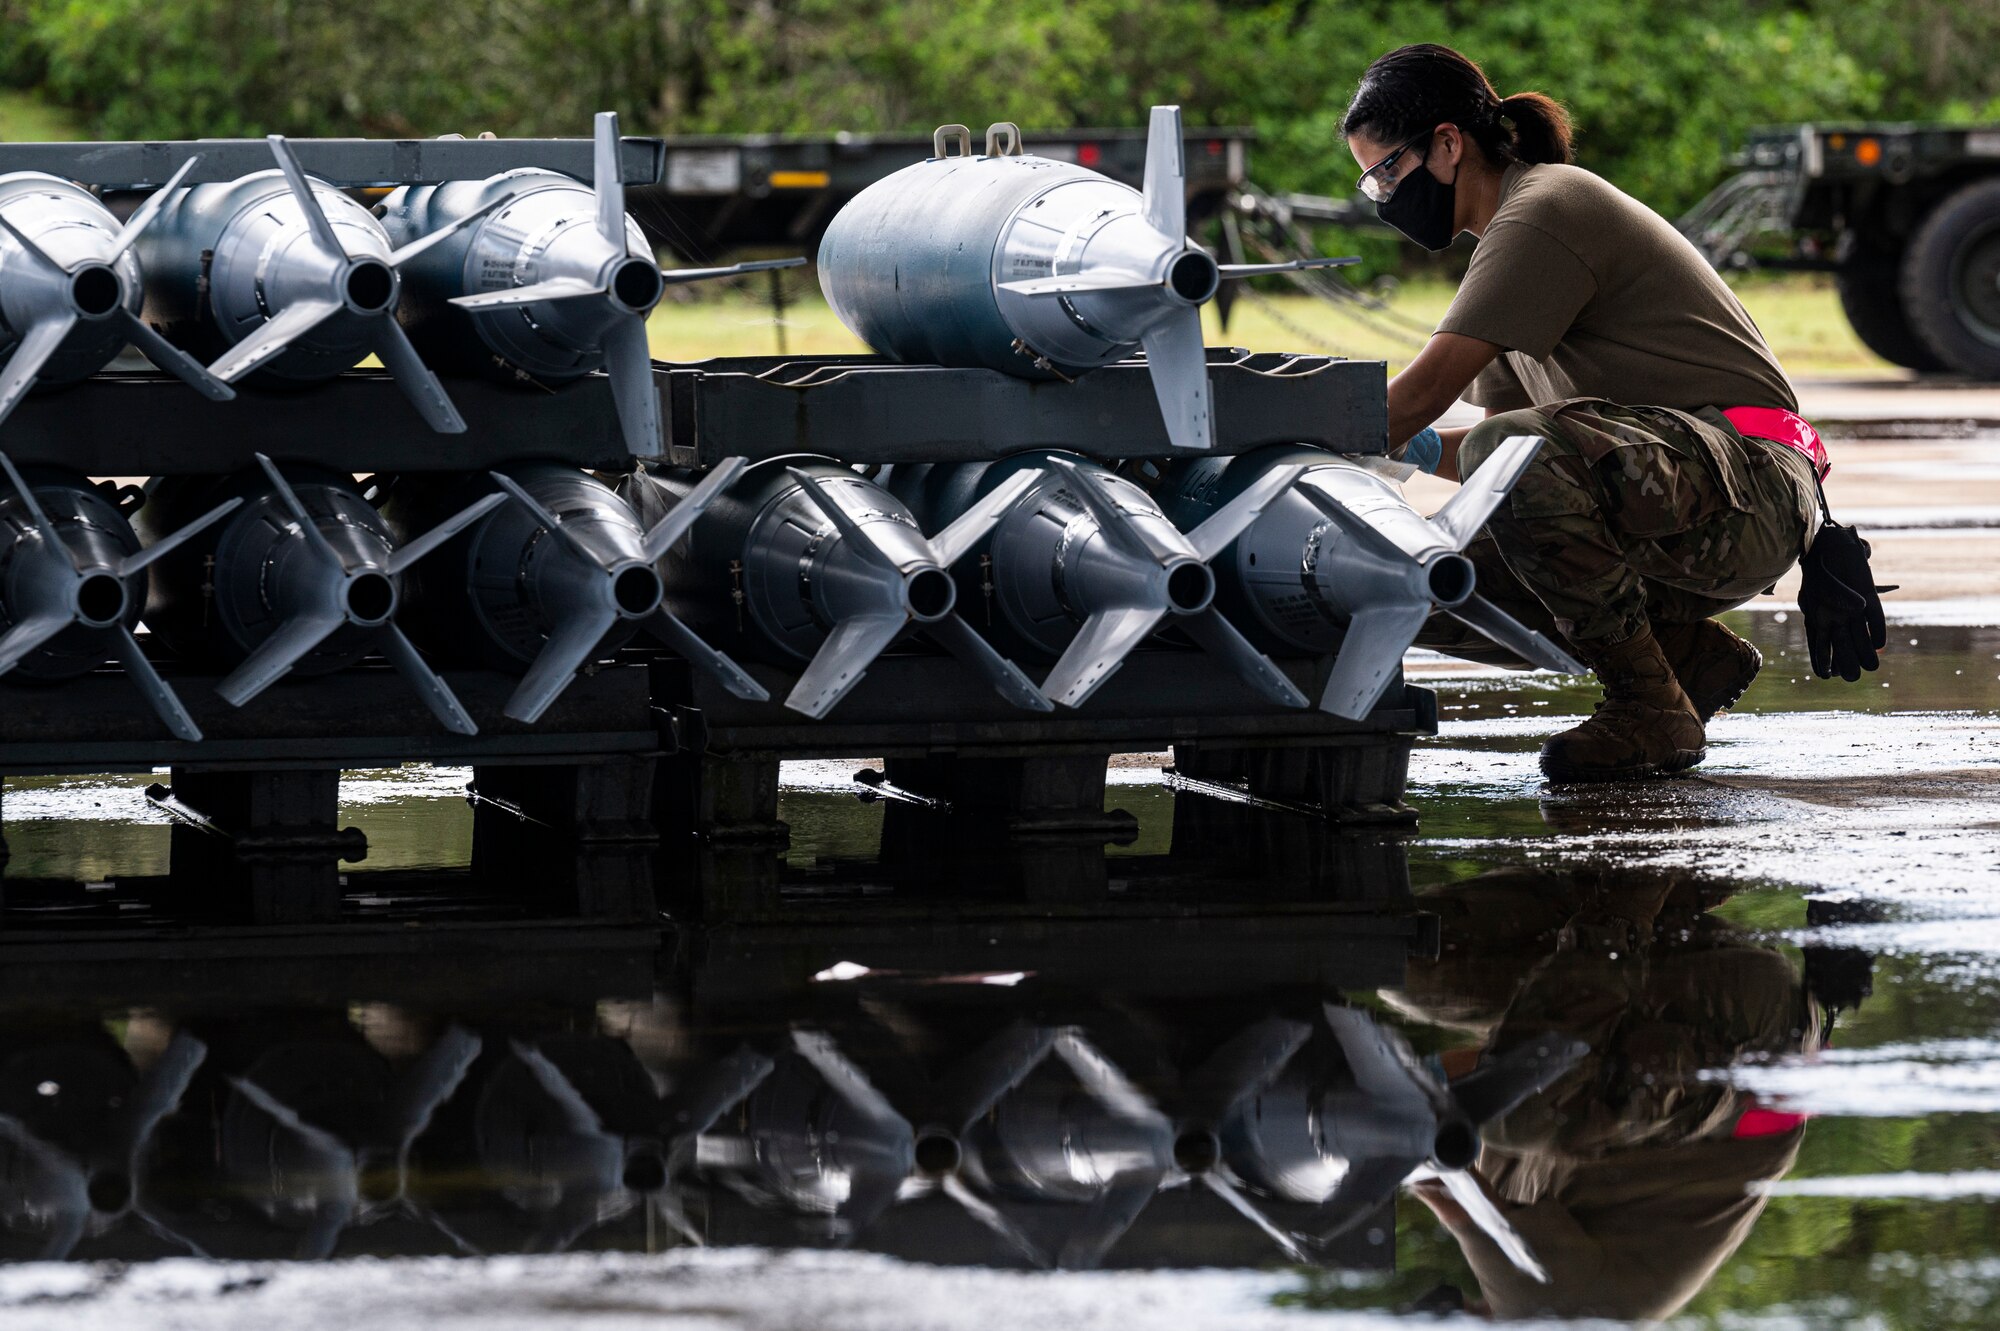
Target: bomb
(73, 584)
(1344, 1133)
(1340, 561)
(313, 1127)
(283, 276)
(542, 587)
(535, 276)
(78, 1122)
(303, 578)
(832, 570)
(1035, 268)
(1077, 1134)
(1084, 567)
(817, 1138)
(573, 1130)
(71, 287)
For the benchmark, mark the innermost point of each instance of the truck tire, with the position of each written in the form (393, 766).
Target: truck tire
(1951, 280)
(1872, 299)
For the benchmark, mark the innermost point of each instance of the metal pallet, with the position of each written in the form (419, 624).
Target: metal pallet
(1003, 771)
(861, 409)
(868, 410)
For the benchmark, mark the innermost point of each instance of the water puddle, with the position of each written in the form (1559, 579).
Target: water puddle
(1724, 1049)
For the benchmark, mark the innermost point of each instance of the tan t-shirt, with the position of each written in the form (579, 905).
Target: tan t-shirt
(1593, 294)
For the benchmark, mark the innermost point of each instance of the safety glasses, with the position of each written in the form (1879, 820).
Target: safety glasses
(1378, 182)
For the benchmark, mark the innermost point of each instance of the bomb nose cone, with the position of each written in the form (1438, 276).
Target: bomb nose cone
(637, 285)
(1193, 277)
(100, 600)
(930, 594)
(1190, 587)
(637, 590)
(1451, 579)
(96, 290)
(370, 598)
(369, 286)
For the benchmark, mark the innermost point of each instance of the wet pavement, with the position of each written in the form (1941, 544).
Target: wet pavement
(1723, 1049)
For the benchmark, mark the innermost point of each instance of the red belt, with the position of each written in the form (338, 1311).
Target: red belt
(1782, 427)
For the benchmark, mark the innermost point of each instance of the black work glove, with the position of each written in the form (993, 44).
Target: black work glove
(1842, 605)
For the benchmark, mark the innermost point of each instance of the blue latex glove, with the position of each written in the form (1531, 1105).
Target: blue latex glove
(1425, 450)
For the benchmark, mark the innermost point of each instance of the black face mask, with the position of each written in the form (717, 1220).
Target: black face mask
(1421, 208)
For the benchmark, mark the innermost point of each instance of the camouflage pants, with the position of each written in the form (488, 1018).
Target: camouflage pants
(1630, 515)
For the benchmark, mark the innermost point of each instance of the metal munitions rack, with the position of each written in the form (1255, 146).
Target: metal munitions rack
(644, 748)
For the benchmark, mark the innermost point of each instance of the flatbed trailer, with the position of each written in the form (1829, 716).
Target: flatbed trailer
(720, 193)
(1905, 216)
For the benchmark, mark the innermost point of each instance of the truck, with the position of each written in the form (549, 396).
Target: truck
(723, 192)
(1905, 216)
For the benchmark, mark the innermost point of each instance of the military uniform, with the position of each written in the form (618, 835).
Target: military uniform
(1627, 1176)
(1631, 514)
(1645, 513)
(1619, 346)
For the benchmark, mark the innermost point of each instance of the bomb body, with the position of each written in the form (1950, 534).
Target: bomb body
(71, 287)
(534, 277)
(223, 258)
(98, 536)
(73, 581)
(499, 590)
(1084, 567)
(303, 578)
(1287, 580)
(1339, 562)
(806, 562)
(918, 265)
(541, 225)
(218, 598)
(768, 538)
(68, 224)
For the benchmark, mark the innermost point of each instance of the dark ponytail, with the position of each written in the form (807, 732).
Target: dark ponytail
(1541, 127)
(1414, 88)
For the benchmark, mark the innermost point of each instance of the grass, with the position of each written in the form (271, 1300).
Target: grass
(1799, 315)
(26, 118)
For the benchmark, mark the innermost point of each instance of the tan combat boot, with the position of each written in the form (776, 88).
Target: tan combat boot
(1644, 727)
(1713, 665)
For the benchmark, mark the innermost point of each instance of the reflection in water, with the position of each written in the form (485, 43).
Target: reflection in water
(1631, 1176)
(76, 1122)
(293, 1134)
(955, 1051)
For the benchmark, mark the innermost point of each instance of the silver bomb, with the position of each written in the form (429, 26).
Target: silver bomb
(1033, 267)
(304, 577)
(71, 287)
(831, 569)
(1340, 562)
(73, 584)
(283, 276)
(1084, 567)
(545, 585)
(543, 279)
